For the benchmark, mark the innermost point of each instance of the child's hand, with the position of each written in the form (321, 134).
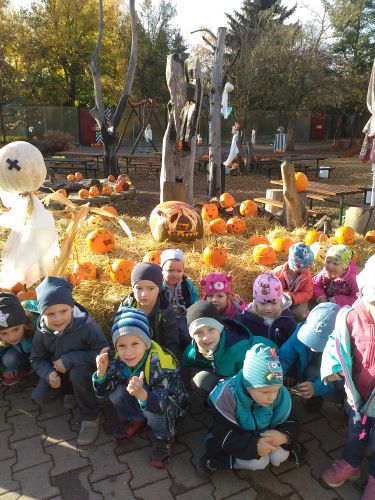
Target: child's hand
(275, 438)
(59, 366)
(322, 298)
(264, 447)
(102, 362)
(333, 377)
(135, 387)
(306, 389)
(54, 380)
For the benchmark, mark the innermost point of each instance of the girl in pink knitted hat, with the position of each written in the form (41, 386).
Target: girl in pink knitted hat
(218, 290)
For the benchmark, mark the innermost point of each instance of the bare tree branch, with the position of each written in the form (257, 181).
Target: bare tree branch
(206, 30)
(98, 111)
(209, 43)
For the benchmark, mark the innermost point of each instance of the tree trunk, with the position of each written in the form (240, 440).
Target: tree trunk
(293, 208)
(214, 119)
(291, 130)
(110, 155)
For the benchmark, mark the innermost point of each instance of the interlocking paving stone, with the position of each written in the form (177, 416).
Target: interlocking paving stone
(13, 495)
(75, 485)
(249, 494)
(205, 492)
(329, 439)
(308, 487)
(58, 429)
(103, 461)
(160, 490)
(25, 426)
(142, 472)
(52, 410)
(135, 443)
(265, 483)
(36, 482)
(183, 474)
(5, 451)
(20, 402)
(300, 413)
(4, 425)
(195, 443)
(7, 483)
(227, 483)
(30, 452)
(66, 457)
(117, 488)
(3, 401)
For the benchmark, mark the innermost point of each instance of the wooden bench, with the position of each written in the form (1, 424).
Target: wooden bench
(150, 166)
(67, 166)
(306, 168)
(279, 204)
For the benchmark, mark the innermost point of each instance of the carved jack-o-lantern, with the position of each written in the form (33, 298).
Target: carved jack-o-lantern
(81, 272)
(95, 221)
(94, 191)
(175, 221)
(121, 270)
(209, 212)
(153, 257)
(100, 241)
(106, 190)
(236, 225)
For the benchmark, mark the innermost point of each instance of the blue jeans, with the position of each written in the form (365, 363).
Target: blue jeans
(15, 360)
(128, 408)
(355, 448)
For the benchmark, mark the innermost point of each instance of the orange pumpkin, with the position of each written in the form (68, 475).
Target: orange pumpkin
(236, 225)
(215, 256)
(258, 239)
(345, 235)
(70, 177)
(83, 194)
(282, 245)
(62, 192)
(26, 294)
(78, 176)
(121, 270)
(111, 178)
(153, 257)
(125, 186)
(218, 226)
(82, 271)
(94, 191)
(248, 208)
(227, 200)
(264, 255)
(117, 188)
(110, 210)
(100, 241)
(370, 236)
(209, 212)
(315, 237)
(302, 181)
(106, 190)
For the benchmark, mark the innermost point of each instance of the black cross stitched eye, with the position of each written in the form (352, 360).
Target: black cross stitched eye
(13, 164)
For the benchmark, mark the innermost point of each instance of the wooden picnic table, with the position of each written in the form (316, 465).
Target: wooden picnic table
(83, 153)
(81, 164)
(273, 162)
(329, 191)
(298, 159)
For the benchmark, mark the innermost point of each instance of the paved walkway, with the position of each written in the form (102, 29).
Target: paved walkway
(39, 460)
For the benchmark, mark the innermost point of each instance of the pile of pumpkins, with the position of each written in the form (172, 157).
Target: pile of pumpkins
(113, 186)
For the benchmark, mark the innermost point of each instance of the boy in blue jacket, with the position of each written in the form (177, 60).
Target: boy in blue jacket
(63, 353)
(301, 355)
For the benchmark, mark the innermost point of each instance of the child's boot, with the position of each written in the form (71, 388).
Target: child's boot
(89, 431)
(161, 454)
(369, 493)
(339, 472)
(128, 430)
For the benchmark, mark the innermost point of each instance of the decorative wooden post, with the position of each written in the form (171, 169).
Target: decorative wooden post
(179, 144)
(294, 208)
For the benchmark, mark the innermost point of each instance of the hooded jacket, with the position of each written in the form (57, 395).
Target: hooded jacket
(235, 340)
(77, 345)
(189, 291)
(162, 320)
(281, 328)
(301, 290)
(344, 289)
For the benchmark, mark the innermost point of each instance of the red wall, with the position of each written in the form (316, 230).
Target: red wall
(318, 125)
(86, 127)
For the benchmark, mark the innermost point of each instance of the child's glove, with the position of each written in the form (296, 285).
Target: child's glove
(102, 362)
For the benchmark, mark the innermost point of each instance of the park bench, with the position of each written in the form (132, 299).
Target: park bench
(153, 166)
(306, 168)
(315, 214)
(67, 166)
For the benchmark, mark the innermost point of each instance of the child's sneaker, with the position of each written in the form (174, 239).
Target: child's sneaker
(205, 467)
(339, 472)
(89, 431)
(369, 493)
(128, 430)
(161, 453)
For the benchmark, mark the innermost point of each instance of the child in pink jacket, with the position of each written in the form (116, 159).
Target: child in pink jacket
(218, 290)
(336, 282)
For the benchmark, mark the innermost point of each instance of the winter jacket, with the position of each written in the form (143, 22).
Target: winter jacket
(233, 310)
(279, 331)
(166, 393)
(77, 345)
(235, 340)
(295, 354)
(189, 291)
(344, 289)
(238, 421)
(162, 320)
(301, 289)
(24, 346)
(351, 349)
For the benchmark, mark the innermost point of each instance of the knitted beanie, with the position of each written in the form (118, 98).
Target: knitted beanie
(147, 271)
(262, 367)
(11, 311)
(267, 287)
(319, 324)
(300, 256)
(131, 321)
(216, 283)
(341, 253)
(171, 254)
(203, 313)
(54, 290)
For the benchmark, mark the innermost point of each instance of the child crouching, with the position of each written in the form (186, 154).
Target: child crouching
(251, 427)
(143, 383)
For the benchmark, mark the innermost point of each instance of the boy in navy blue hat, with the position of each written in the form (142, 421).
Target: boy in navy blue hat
(63, 353)
(143, 383)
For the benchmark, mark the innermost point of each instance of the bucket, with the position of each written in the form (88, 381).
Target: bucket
(323, 173)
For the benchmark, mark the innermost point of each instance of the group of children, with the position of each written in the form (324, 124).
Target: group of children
(242, 361)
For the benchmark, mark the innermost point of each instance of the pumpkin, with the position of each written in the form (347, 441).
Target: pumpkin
(264, 255)
(175, 221)
(26, 294)
(302, 181)
(111, 178)
(106, 190)
(82, 271)
(209, 212)
(248, 208)
(110, 210)
(218, 226)
(215, 256)
(282, 245)
(70, 177)
(258, 239)
(315, 236)
(117, 188)
(236, 225)
(121, 270)
(62, 192)
(227, 200)
(95, 220)
(78, 176)
(123, 179)
(319, 249)
(370, 236)
(205, 157)
(100, 241)
(83, 193)
(345, 235)
(18, 287)
(153, 257)
(94, 191)
(125, 186)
